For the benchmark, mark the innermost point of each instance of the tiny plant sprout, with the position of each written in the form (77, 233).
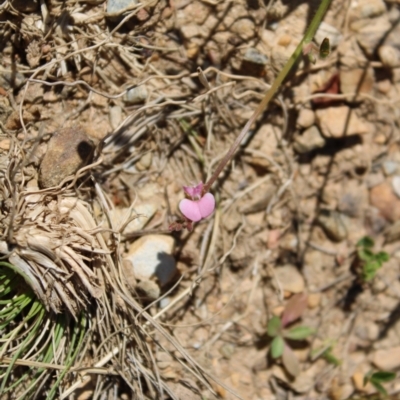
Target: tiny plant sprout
(281, 335)
(200, 205)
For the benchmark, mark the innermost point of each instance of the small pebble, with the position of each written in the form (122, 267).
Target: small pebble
(306, 118)
(389, 167)
(396, 185)
(290, 278)
(333, 224)
(390, 56)
(387, 359)
(136, 95)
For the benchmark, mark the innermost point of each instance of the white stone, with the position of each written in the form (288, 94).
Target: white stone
(328, 31)
(116, 6)
(136, 95)
(151, 256)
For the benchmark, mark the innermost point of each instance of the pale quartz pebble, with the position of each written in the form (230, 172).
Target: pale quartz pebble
(145, 161)
(136, 95)
(115, 116)
(152, 256)
(330, 32)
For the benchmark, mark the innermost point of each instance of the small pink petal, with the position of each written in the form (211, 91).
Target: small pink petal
(206, 205)
(190, 209)
(194, 191)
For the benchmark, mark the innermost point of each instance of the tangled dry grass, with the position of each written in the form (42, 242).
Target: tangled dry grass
(63, 240)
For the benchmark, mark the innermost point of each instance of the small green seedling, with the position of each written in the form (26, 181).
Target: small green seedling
(367, 262)
(277, 329)
(378, 378)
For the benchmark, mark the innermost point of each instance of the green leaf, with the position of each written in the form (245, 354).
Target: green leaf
(383, 376)
(277, 346)
(365, 254)
(379, 388)
(382, 256)
(274, 326)
(330, 358)
(366, 242)
(299, 333)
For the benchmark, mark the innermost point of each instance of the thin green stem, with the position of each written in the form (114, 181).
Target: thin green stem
(307, 38)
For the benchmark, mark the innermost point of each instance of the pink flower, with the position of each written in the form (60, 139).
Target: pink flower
(201, 206)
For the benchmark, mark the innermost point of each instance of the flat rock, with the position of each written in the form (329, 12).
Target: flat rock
(68, 150)
(136, 95)
(385, 200)
(339, 122)
(290, 278)
(371, 32)
(356, 80)
(151, 256)
(387, 359)
(311, 139)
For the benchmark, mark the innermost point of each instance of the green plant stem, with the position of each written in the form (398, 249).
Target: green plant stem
(307, 38)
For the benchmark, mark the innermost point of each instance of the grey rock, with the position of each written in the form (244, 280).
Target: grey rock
(311, 139)
(68, 150)
(389, 167)
(255, 57)
(118, 6)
